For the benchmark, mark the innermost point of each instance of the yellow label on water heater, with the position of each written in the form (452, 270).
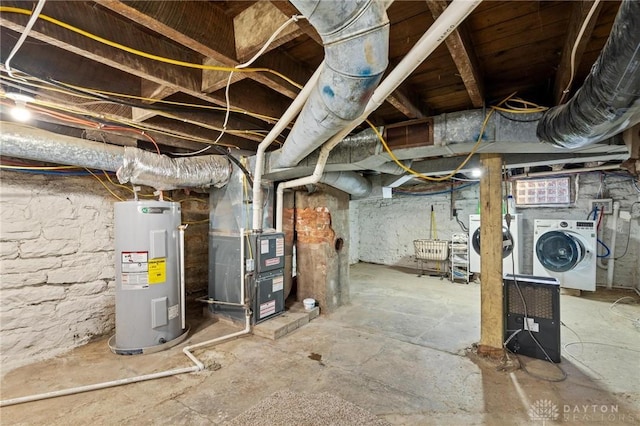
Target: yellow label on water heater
(157, 271)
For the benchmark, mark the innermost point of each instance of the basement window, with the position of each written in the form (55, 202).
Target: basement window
(543, 192)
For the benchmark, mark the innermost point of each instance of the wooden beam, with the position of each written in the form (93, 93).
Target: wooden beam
(97, 21)
(289, 10)
(211, 34)
(255, 25)
(400, 101)
(461, 50)
(579, 13)
(491, 292)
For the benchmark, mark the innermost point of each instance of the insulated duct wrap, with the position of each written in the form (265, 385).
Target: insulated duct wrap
(164, 173)
(355, 35)
(609, 100)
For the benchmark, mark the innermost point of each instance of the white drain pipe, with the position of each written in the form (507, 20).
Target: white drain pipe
(286, 118)
(446, 23)
(199, 366)
(612, 245)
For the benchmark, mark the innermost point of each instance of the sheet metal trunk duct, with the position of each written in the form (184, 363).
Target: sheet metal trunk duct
(349, 182)
(132, 164)
(355, 35)
(609, 100)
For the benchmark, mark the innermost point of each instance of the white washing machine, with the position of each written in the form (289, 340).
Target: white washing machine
(566, 250)
(512, 247)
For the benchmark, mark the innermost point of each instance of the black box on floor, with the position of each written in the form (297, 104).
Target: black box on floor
(532, 316)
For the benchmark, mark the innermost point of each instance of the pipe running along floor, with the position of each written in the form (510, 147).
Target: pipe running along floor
(398, 351)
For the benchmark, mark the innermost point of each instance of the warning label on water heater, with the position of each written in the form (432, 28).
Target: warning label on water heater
(135, 270)
(157, 271)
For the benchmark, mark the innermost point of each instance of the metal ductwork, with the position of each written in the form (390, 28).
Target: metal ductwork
(609, 100)
(349, 182)
(131, 164)
(355, 35)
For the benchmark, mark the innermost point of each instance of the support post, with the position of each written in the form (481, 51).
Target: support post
(491, 290)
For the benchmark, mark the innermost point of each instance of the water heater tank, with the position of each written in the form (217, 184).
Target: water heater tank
(148, 291)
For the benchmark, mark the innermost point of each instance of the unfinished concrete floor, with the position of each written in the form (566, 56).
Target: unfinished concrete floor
(398, 351)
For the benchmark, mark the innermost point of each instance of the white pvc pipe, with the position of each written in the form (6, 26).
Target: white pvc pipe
(183, 320)
(199, 366)
(446, 23)
(242, 266)
(612, 245)
(286, 118)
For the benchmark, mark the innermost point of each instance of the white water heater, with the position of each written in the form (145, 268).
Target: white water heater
(149, 295)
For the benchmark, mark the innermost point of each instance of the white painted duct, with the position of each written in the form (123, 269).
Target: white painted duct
(355, 35)
(349, 182)
(609, 100)
(131, 164)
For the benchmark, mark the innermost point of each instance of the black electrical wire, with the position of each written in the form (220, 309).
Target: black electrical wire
(517, 120)
(626, 247)
(235, 161)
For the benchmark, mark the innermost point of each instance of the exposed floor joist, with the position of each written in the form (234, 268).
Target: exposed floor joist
(566, 69)
(459, 45)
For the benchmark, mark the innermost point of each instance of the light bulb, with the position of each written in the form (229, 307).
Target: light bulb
(476, 173)
(20, 112)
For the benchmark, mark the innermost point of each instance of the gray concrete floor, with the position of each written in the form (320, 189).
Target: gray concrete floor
(398, 350)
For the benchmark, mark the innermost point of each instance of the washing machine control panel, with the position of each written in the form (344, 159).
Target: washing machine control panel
(563, 224)
(584, 225)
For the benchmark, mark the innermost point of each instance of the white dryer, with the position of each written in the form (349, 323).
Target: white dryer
(512, 244)
(566, 250)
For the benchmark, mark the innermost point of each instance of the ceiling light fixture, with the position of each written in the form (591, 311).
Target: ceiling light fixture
(476, 173)
(20, 112)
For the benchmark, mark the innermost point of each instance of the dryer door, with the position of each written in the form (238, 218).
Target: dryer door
(507, 241)
(559, 251)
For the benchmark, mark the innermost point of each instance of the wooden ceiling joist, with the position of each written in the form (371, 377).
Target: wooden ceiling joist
(211, 35)
(459, 45)
(579, 13)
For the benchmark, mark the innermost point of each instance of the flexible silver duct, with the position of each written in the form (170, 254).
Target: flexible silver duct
(131, 164)
(609, 100)
(355, 35)
(349, 182)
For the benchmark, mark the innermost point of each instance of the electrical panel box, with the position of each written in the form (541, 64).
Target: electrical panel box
(604, 205)
(268, 251)
(532, 316)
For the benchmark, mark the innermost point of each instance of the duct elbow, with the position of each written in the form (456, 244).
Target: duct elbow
(356, 40)
(350, 182)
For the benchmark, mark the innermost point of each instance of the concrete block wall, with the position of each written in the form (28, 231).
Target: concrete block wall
(57, 268)
(383, 230)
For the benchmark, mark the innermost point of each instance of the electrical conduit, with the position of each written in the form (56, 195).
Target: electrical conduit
(446, 23)
(612, 245)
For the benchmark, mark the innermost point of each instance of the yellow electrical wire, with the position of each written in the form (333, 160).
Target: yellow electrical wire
(9, 9)
(464, 162)
(196, 222)
(105, 186)
(164, 101)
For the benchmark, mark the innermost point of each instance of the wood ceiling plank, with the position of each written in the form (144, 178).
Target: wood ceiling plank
(289, 10)
(211, 34)
(459, 44)
(568, 66)
(255, 25)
